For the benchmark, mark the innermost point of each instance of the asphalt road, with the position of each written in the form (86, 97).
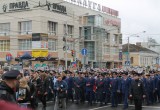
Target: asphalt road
(96, 107)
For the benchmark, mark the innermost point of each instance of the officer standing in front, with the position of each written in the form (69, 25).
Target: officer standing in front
(137, 91)
(8, 86)
(125, 88)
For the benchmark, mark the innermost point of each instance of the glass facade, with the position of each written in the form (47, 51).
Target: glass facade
(90, 46)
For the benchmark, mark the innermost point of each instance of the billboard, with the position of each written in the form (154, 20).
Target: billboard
(39, 53)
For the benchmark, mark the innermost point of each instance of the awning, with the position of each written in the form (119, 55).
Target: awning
(26, 56)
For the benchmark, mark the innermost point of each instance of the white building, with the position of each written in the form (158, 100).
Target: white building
(89, 25)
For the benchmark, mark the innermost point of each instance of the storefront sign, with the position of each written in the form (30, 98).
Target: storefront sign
(57, 8)
(112, 22)
(15, 6)
(39, 53)
(94, 6)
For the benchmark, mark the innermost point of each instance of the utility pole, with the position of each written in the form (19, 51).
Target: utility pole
(128, 57)
(66, 33)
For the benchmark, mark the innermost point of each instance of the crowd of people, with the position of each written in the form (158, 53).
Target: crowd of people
(115, 87)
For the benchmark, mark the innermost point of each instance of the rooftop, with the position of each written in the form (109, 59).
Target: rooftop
(136, 48)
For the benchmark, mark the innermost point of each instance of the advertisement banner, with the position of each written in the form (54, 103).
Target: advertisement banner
(39, 53)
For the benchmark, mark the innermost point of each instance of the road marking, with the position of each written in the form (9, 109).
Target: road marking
(100, 107)
(154, 107)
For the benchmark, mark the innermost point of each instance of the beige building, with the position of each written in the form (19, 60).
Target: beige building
(84, 24)
(140, 56)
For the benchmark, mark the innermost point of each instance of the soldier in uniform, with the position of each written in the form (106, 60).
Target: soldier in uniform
(115, 89)
(107, 81)
(137, 91)
(89, 88)
(100, 88)
(79, 84)
(125, 89)
(8, 86)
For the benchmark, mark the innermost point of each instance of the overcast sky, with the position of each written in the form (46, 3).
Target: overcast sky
(137, 16)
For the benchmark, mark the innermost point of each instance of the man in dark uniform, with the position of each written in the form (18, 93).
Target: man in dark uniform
(137, 91)
(8, 86)
(100, 88)
(125, 88)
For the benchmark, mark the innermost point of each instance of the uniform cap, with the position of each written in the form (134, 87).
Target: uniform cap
(11, 74)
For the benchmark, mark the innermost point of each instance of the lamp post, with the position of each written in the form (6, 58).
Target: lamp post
(133, 35)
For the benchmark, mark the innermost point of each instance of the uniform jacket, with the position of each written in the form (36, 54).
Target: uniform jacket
(137, 89)
(7, 93)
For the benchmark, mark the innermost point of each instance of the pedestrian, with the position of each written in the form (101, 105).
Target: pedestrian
(137, 91)
(45, 81)
(23, 93)
(8, 86)
(61, 88)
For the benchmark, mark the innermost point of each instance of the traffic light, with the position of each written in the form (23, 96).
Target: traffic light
(72, 52)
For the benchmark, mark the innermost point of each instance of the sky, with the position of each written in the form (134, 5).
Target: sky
(137, 16)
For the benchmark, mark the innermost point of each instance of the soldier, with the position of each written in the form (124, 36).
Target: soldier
(125, 88)
(115, 89)
(107, 81)
(79, 84)
(70, 82)
(89, 88)
(100, 88)
(8, 86)
(137, 91)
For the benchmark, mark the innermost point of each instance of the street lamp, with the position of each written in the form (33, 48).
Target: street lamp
(133, 35)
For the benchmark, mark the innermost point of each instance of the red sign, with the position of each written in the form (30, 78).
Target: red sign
(112, 22)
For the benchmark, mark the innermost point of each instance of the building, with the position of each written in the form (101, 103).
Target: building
(26, 25)
(139, 56)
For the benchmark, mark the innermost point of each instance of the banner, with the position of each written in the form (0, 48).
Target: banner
(39, 53)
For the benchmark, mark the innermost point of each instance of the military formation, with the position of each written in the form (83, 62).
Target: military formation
(102, 87)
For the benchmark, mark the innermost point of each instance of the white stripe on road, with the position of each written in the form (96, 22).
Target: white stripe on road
(100, 107)
(154, 107)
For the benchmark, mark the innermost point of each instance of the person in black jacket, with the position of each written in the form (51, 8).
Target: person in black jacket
(33, 99)
(45, 84)
(137, 91)
(8, 86)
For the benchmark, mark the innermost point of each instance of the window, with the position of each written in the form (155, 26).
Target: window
(4, 45)
(52, 44)
(87, 33)
(115, 38)
(70, 45)
(69, 30)
(106, 50)
(115, 50)
(91, 20)
(4, 29)
(25, 44)
(52, 27)
(25, 27)
(107, 37)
